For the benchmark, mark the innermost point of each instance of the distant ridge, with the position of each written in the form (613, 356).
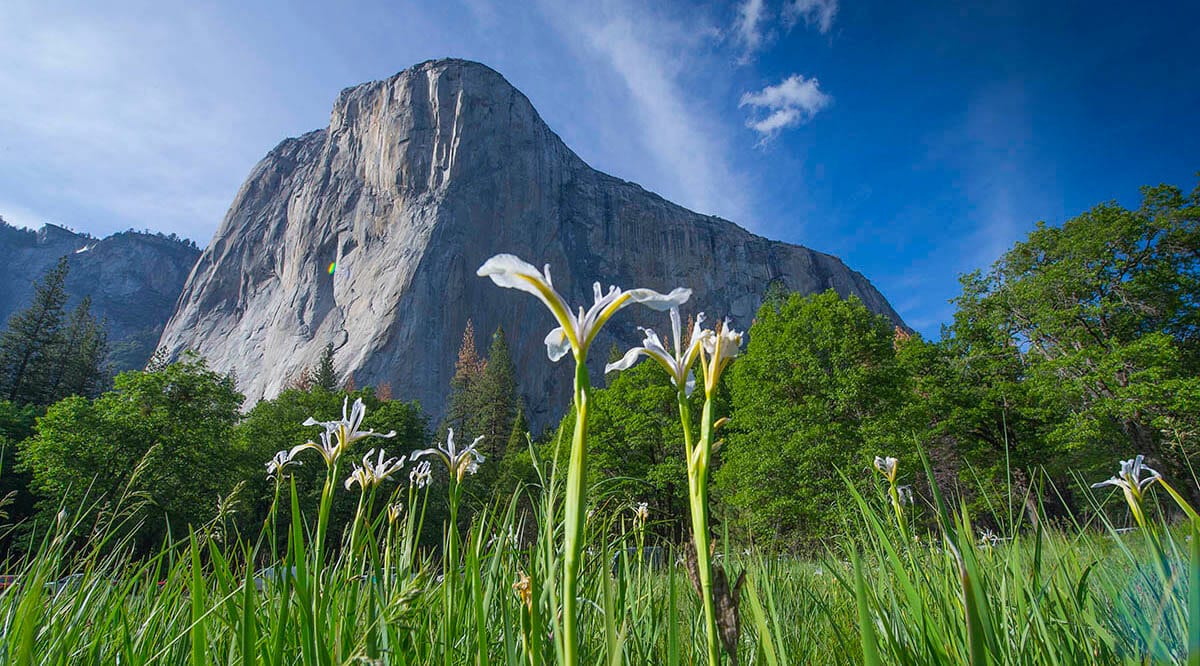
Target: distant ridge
(134, 279)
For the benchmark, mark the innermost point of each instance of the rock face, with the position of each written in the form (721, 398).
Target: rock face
(415, 183)
(134, 280)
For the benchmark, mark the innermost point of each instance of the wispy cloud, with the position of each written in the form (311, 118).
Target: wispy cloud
(123, 118)
(652, 54)
(816, 13)
(748, 28)
(789, 104)
(756, 25)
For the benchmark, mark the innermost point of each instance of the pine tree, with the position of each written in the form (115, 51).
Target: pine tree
(325, 376)
(776, 294)
(77, 366)
(520, 429)
(31, 339)
(89, 373)
(494, 398)
(468, 370)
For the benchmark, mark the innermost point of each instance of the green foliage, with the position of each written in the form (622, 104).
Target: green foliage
(494, 399)
(79, 367)
(818, 389)
(1044, 596)
(27, 347)
(468, 370)
(161, 440)
(636, 442)
(16, 502)
(484, 401)
(1098, 322)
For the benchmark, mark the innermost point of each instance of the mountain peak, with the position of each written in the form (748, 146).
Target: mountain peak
(416, 181)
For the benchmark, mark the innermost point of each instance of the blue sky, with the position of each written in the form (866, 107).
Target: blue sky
(915, 143)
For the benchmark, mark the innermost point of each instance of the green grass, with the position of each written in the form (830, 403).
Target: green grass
(1071, 595)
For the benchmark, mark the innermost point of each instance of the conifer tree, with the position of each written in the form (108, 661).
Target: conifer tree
(78, 366)
(494, 398)
(325, 376)
(468, 370)
(32, 337)
(520, 429)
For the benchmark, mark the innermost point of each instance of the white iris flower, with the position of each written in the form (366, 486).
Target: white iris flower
(574, 332)
(328, 448)
(1130, 479)
(678, 363)
(421, 475)
(339, 434)
(373, 472)
(720, 347)
(887, 467)
(276, 465)
(458, 463)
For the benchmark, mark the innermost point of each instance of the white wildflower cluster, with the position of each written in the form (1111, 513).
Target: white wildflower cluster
(373, 470)
(458, 462)
(335, 440)
(421, 474)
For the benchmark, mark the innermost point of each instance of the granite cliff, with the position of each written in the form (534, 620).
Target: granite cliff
(133, 278)
(415, 182)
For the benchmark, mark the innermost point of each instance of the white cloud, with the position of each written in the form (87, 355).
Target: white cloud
(819, 13)
(791, 103)
(748, 28)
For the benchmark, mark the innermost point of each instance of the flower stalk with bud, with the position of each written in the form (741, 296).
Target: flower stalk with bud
(714, 350)
(574, 333)
(889, 467)
(459, 463)
(372, 472)
(641, 513)
(1131, 481)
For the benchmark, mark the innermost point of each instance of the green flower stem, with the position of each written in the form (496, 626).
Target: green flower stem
(323, 517)
(450, 571)
(894, 494)
(697, 467)
(318, 614)
(358, 516)
(576, 508)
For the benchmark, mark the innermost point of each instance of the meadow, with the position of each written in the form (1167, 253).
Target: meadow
(1035, 595)
(991, 536)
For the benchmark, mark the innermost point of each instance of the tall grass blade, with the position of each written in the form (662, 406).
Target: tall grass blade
(765, 640)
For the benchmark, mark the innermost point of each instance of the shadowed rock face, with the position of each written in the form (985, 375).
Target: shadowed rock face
(415, 183)
(134, 280)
